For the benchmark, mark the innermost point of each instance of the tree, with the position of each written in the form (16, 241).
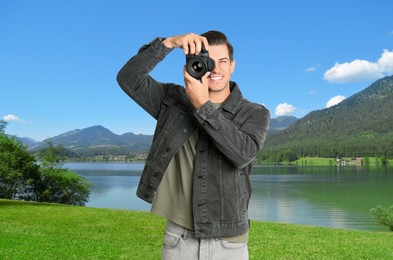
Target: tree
(58, 184)
(3, 124)
(50, 157)
(18, 169)
(290, 155)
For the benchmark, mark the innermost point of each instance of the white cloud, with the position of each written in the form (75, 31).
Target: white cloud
(12, 118)
(334, 101)
(386, 61)
(311, 69)
(354, 71)
(361, 70)
(284, 109)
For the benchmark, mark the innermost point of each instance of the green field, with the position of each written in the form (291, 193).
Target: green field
(321, 161)
(48, 231)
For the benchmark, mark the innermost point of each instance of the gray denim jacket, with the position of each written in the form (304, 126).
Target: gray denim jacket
(230, 138)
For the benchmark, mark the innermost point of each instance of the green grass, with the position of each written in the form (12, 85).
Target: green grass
(48, 231)
(322, 161)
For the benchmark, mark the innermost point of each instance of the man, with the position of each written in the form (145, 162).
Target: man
(207, 136)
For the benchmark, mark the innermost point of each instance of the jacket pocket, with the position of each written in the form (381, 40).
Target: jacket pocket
(172, 115)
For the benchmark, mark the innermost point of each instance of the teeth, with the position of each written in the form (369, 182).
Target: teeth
(216, 78)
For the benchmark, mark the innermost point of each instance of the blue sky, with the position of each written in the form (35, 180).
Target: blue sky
(59, 59)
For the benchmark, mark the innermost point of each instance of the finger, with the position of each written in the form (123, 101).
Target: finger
(198, 46)
(192, 46)
(205, 43)
(185, 46)
(187, 76)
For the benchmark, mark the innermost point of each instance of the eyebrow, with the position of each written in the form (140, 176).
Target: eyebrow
(225, 58)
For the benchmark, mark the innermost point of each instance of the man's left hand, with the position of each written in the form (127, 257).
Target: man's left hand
(197, 90)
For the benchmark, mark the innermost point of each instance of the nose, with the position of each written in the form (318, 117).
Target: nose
(216, 68)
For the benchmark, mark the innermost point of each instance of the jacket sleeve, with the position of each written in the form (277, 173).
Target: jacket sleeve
(239, 141)
(134, 77)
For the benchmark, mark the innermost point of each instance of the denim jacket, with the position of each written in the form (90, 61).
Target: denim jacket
(230, 138)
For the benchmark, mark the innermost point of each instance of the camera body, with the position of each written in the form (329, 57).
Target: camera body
(198, 65)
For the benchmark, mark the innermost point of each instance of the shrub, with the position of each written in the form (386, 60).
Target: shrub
(62, 186)
(383, 215)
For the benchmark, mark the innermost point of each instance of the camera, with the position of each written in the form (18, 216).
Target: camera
(198, 65)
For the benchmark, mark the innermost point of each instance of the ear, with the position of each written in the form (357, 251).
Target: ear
(233, 64)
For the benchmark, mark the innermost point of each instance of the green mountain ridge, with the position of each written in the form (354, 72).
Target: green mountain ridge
(361, 125)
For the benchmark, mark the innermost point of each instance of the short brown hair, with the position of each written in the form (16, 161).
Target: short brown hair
(217, 38)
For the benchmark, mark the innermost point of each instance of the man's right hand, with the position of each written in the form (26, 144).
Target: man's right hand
(191, 43)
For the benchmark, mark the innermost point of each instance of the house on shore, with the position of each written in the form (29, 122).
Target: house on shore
(355, 161)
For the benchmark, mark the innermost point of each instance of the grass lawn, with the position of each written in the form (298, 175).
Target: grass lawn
(49, 231)
(322, 161)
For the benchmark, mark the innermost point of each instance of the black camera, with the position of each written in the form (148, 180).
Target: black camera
(198, 65)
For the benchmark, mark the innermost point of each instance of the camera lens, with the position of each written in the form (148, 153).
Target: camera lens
(197, 66)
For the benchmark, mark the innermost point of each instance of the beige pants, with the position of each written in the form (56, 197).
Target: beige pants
(180, 243)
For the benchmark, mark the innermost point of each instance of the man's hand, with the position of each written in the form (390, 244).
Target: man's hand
(197, 91)
(191, 43)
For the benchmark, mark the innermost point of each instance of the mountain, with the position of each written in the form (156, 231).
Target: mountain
(360, 125)
(98, 140)
(24, 140)
(281, 122)
(91, 136)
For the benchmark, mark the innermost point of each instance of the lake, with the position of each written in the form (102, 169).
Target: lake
(337, 197)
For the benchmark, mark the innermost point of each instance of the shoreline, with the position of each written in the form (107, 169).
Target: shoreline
(302, 162)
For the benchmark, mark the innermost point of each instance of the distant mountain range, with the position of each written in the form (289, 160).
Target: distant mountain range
(95, 140)
(96, 136)
(99, 137)
(281, 122)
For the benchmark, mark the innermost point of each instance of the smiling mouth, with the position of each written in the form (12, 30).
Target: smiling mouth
(215, 78)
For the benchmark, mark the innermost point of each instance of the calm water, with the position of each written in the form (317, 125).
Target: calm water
(321, 196)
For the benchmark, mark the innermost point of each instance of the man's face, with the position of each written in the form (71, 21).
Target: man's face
(221, 75)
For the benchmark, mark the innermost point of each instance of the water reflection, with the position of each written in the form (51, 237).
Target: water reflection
(320, 196)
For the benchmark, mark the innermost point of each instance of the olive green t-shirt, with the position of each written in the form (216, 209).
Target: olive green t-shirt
(173, 199)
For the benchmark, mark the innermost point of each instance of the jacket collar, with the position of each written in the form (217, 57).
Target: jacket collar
(234, 99)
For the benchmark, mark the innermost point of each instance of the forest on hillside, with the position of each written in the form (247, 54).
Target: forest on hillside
(360, 126)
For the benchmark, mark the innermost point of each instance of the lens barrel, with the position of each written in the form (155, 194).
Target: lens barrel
(196, 67)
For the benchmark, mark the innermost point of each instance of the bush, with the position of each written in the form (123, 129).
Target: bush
(62, 186)
(383, 215)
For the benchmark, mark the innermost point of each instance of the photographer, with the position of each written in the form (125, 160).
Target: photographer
(207, 136)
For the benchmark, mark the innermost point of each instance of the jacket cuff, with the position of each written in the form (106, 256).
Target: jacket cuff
(207, 112)
(158, 46)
